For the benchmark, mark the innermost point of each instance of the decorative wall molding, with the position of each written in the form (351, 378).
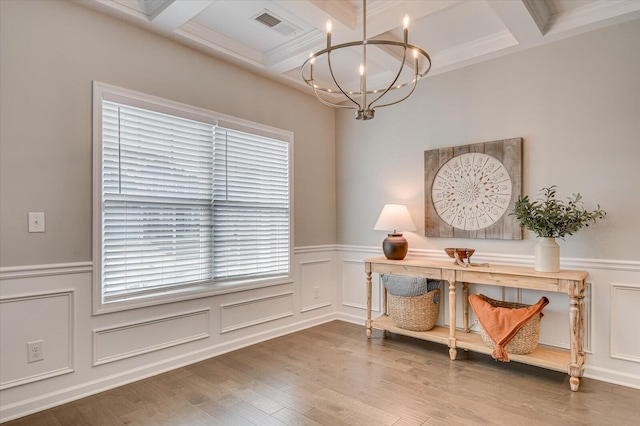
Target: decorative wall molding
(510, 259)
(27, 271)
(624, 305)
(47, 370)
(313, 262)
(316, 281)
(375, 290)
(149, 336)
(315, 249)
(251, 315)
(314, 307)
(41, 402)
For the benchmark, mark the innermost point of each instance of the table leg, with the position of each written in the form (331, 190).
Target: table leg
(576, 323)
(385, 311)
(465, 306)
(368, 323)
(452, 319)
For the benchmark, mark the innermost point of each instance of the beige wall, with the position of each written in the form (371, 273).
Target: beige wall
(50, 53)
(575, 102)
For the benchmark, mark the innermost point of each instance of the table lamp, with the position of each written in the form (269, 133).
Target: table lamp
(395, 217)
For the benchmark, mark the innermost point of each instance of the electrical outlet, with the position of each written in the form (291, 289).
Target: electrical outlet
(35, 351)
(36, 221)
(316, 292)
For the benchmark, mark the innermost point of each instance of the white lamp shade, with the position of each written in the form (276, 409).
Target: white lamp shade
(395, 217)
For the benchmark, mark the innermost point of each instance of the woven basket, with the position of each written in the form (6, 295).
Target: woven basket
(525, 341)
(417, 313)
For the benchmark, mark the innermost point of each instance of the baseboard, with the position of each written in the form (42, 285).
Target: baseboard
(612, 376)
(353, 319)
(62, 396)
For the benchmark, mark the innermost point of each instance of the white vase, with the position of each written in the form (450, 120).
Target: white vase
(547, 253)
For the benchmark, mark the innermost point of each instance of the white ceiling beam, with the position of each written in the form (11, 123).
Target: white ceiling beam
(383, 16)
(520, 20)
(176, 13)
(341, 11)
(593, 15)
(540, 13)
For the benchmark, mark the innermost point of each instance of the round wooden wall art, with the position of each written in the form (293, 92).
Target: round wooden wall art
(471, 191)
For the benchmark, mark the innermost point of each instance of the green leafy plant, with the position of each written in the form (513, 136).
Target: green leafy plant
(550, 217)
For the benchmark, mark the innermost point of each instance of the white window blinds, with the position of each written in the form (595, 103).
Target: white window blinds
(185, 203)
(250, 205)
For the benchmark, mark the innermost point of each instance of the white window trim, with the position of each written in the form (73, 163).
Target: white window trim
(102, 91)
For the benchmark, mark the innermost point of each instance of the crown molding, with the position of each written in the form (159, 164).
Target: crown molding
(213, 40)
(296, 51)
(473, 49)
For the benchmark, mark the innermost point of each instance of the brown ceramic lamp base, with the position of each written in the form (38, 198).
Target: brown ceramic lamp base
(395, 247)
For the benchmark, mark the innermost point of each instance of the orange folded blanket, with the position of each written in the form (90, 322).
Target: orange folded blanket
(502, 324)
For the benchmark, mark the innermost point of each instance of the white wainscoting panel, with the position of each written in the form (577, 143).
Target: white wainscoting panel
(316, 284)
(354, 286)
(116, 343)
(42, 316)
(625, 334)
(246, 313)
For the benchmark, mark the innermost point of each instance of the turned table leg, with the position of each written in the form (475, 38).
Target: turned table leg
(385, 311)
(465, 306)
(368, 323)
(576, 322)
(452, 318)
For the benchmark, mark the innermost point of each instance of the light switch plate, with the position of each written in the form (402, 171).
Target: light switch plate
(36, 221)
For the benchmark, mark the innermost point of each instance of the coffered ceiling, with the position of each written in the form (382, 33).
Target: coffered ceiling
(274, 37)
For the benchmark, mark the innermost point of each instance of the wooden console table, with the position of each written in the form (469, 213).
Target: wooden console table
(570, 282)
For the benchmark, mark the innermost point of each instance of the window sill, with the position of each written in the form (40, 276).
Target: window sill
(197, 292)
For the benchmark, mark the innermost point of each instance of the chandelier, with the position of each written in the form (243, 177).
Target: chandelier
(415, 63)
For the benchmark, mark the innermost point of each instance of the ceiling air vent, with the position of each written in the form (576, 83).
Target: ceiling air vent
(270, 20)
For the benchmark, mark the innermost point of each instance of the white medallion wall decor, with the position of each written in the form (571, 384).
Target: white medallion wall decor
(470, 190)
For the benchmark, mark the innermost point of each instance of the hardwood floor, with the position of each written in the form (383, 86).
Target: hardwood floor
(332, 375)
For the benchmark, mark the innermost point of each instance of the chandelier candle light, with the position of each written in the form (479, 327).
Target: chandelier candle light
(358, 98)
(395, 217)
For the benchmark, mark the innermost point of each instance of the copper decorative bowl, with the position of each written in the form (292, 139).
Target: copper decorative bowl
(463, 253)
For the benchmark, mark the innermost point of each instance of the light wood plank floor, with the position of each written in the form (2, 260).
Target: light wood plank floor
(332, 375)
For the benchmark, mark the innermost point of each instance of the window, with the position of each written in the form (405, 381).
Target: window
(189, 202)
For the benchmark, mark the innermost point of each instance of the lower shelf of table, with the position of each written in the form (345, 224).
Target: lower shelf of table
(543, 356)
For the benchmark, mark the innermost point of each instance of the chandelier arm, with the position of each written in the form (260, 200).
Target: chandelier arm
(316, 92)
(415, 83)
(327, 103)
(417, 75)
(404, 57)
(335, 81)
